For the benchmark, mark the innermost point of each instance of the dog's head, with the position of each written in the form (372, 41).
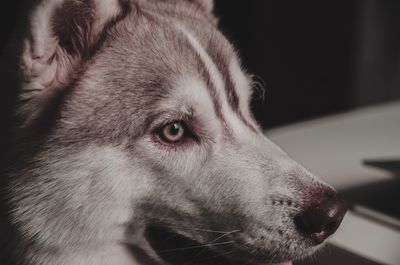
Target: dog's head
(137, 120)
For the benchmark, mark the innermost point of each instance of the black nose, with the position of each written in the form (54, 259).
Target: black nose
(322, 220)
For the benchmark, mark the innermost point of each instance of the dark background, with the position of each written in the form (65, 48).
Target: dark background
(314, 57)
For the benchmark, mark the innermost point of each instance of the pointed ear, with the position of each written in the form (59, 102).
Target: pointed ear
(206, 5)
(61, 36)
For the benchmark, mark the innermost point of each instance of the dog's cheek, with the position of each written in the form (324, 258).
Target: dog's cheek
(91, 190)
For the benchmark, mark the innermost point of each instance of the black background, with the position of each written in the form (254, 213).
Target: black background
(316, 57)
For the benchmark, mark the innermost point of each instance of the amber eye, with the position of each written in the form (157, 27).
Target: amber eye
(173, 132)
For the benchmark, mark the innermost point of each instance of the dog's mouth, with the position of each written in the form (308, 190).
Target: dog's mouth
(176, 249)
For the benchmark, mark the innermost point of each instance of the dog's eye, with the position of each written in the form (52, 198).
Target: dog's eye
(173, 132)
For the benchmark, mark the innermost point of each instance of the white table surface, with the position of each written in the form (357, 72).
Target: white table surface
(333, 148)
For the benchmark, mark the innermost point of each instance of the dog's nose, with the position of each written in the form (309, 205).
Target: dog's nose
(322, 220)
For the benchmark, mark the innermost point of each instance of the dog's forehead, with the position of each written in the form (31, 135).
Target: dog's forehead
(159, 51)
(162, 51)
(145, 65)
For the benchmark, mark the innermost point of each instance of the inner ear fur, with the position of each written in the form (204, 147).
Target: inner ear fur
(61, 36)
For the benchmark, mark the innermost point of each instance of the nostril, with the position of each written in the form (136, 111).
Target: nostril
(322, 220)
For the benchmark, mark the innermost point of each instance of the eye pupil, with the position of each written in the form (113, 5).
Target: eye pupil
(174, 129)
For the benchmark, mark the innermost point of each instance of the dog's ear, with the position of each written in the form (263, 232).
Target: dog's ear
(206, 5)
(61, 36)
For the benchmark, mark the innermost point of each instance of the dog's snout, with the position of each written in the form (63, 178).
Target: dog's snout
(322, 220)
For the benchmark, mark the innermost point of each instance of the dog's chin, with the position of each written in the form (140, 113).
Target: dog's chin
(176, 249)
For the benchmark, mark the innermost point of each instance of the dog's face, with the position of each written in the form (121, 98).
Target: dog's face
(151, 134)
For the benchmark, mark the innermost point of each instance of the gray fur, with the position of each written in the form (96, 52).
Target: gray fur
(91, 177)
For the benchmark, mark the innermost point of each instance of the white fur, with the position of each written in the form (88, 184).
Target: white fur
(105, 11)
(105, 223)
(210, 65)
(41, 32)
(191, 91)
(243, 88)
(233, 120)
(41, 69)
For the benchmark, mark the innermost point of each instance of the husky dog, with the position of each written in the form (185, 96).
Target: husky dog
(135, 145)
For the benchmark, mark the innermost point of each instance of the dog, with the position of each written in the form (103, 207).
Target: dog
(135, 145)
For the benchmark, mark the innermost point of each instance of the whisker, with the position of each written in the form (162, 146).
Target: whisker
(194, 229)
(194, 247)
(213, 241)
(205, 230)
(227, 252)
